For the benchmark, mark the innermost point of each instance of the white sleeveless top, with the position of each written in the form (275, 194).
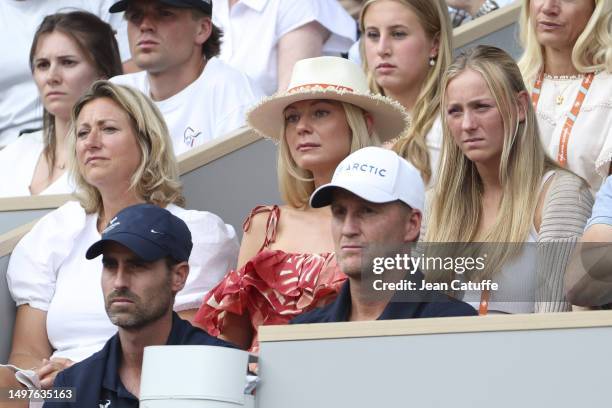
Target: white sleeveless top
(517, 280)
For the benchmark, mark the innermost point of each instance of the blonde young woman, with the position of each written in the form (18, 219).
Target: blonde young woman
(497, 185)
(286, 261)
(120, 155)
(406, 46)
(567, 65)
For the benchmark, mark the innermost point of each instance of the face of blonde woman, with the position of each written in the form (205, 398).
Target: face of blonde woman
(559, 23)
(106, 147)
(473, 118)
(397, 49)
(62, 72)
(317, 134)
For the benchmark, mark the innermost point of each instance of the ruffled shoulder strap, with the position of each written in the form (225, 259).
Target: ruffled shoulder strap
(271, 223)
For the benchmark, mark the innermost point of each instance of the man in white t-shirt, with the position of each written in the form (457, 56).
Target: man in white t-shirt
(176, 43)
(20, 107)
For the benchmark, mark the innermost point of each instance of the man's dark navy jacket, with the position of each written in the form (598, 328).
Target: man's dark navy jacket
(100, 372)
(434, 304)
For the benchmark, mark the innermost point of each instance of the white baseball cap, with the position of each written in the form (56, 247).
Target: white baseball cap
(377, 175)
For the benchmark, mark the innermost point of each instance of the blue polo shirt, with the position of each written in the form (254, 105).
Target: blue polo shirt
(96, 379)
(113, 392)
(437, 305)
(602, 209)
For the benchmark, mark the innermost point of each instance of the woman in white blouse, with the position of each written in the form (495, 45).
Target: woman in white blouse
(69, 52)
(567, 65)
(120, 155)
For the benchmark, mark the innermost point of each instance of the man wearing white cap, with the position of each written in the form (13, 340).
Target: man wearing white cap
(377, 201)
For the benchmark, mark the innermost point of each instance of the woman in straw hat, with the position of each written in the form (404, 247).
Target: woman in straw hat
(286, 261)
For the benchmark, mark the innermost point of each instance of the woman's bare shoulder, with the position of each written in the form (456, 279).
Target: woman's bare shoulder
(259, 230)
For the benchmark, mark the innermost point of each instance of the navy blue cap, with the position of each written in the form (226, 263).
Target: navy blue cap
(204, 5)
(149, 231)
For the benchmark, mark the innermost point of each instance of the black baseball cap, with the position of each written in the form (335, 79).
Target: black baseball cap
(204, 5)
(149, 231)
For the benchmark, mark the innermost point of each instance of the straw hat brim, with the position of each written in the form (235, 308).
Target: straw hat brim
(389, 117)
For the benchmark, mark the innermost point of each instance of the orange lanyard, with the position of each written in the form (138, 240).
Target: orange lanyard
(571, 116)
(483, 309)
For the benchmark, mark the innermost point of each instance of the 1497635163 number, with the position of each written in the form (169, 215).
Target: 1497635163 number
(54, 394)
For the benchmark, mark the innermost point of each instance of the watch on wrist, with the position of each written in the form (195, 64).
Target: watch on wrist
(487, 7)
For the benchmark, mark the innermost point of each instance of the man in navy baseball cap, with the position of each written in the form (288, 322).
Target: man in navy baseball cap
(149, 231)
(144, 251)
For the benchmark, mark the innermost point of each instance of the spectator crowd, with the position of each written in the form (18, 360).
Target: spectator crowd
(413, 149)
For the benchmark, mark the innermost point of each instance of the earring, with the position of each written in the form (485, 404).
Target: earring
(432, 61)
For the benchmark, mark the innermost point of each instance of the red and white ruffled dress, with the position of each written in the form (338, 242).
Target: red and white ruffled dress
(273, 287)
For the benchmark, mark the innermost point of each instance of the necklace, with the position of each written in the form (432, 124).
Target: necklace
(59, 164)
(563, 77)
(571, 116)
(560, 98)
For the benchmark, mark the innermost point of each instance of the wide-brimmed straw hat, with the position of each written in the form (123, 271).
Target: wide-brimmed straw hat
(331, 78)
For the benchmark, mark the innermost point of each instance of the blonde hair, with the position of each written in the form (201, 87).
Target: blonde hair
(434, 19)
(297, 184)
(156, 178)
(457, 204)
(592, 51)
